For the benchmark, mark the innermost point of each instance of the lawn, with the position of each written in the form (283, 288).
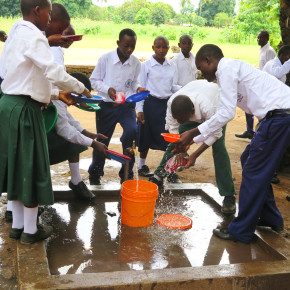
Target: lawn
(103, 35)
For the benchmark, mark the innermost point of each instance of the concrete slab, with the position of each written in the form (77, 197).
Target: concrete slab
(33, 270)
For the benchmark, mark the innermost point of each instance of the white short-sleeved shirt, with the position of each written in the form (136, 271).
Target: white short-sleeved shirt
(111, 73)
(159, 79)
(275, 68)
(186, 68)
(205, 98)
(29, 67)
(267, 53)
(66, 126)
(242, 85)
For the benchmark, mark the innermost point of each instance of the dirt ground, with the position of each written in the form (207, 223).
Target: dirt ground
(203, 172)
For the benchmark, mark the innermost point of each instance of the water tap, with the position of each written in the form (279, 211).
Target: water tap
(132, 150)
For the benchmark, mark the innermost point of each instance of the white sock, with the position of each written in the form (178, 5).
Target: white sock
(157, 177)
(75, 173)
(17, 214)
(9, 205)
(142, 161)
(30, 220)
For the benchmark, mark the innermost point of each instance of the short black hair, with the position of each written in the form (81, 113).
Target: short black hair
(2, 32)
(185, 36)
(83, 79)
(285, 49)
(27, 5)
(265, 32)
(127, 31)
(161, 37)
(209, 50)
(59, 13)
(181, 105)
(69, 30)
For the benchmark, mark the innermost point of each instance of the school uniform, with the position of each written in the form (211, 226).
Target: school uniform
(161, 81)
(65, 140)
(186, 68)
(265, 97)
(205, 98)
(111, 73)
(24, 170)
(275, 68)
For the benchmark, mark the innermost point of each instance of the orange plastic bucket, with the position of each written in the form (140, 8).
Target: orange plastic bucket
(138, 203)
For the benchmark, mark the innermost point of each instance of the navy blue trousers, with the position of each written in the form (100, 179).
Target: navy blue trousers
(149, 133)
(259, 162)
(250, 123)
(106, 120)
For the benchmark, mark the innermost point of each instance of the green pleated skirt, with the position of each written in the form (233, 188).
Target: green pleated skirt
(60, 149)
(24, 161)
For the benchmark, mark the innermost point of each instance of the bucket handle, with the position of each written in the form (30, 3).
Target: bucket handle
(137, 215)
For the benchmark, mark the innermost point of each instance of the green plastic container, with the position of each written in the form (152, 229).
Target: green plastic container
(49, 117)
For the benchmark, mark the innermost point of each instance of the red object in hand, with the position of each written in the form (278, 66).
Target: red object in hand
(171, 166)
(120, 98)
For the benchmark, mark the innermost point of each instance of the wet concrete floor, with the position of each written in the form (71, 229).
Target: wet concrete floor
(89, 238)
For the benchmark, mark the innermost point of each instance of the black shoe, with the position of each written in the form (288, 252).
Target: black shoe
(277, 229)
(95, 180)
(229, 205)
(275, 180)
(246, 134)
(15, 234)
(224, 234)
(145, 171)
(288, 197)
(8, 216)
(159, 183)
(81, 191)
(43, 232)
(173, 178)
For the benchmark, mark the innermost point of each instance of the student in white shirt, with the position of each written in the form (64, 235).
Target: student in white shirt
(279, 66)
(267, 53)
(160, 78)
(3, 36)
(116, 71)
(185, 61)
(68, 139)
(192, 105)
(266, 98)
(25, 173)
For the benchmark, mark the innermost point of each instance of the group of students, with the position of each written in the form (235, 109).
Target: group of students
(198, 109)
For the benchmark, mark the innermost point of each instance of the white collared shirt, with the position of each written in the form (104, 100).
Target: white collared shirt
(30, 68)
(159, 79)
(111, 73)
(242, 85)
(205, 98)
(66, 126)
(267, 53)
(186, 68)
(275, 68)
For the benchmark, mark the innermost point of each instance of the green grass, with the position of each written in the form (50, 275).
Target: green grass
(106, 34)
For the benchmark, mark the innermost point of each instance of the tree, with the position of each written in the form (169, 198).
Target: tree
(222, 19)
(9, 8)
(142, 16)
(75, 8)
(200, 5)
(159, 15)
(213, 7)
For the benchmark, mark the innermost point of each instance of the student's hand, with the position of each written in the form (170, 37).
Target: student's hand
(101, 136)
(87, 93)
(140, 89)
(100, 149)
(186, 138)
(191, 160)
(93, 135)
(67, 98)
(140, 118)
(112, 93)
(179, 158)
(180, 149)
(58, 40)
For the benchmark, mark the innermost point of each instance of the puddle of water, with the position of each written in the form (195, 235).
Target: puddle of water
(87, 240)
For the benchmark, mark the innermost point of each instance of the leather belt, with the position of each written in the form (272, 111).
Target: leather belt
(277, 112)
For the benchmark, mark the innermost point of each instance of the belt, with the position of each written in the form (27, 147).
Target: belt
(277, 112)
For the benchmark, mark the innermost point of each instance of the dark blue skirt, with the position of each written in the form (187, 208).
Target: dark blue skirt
(149, 133)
